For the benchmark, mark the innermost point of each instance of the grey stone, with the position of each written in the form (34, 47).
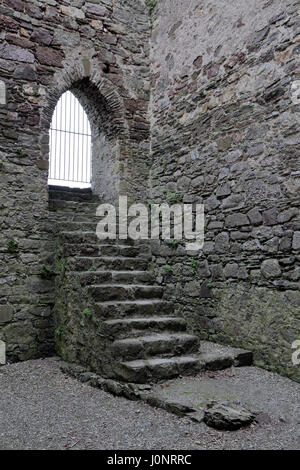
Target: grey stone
(255, 216)
(198, 182)
(211, 203)
(287, 215)
(11, 52)
(217, 271)
(223, 191)
(231, 270)
(228, 417)
(270, 216)
(183, 183)
(232, 201)
(93, 9)
(232, 157)
(236, 220)
(25, 72)
(256, 150)
(270, 269)
(192, 289)
(296, 241)
(6, 313)
(42, 36)
(66, 38)
(222, 242)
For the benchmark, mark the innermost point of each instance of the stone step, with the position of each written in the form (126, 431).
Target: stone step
(108, 292)
(85, 232)
(153, 370)
(89, 237)
(73, 249)
(122, 328)
(102, 277)
(127, 309)
(163, 345)
(72, 194)
(60, 205)
(111, 263)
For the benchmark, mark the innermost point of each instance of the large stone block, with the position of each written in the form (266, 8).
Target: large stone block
(16, 53)
(48, 56)
(236, 220)
(296, 241)
(6, 313)
(270, 269)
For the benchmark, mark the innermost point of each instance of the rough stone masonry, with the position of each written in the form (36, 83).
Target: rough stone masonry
(192, 104)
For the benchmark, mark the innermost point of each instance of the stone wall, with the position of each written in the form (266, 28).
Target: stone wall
(221, 78)
(225, 132)
(100, 50)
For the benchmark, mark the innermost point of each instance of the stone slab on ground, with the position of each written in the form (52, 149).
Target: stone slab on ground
(268, 396)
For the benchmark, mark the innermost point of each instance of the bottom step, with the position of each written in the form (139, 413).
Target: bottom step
(211, 357)
(152, 370)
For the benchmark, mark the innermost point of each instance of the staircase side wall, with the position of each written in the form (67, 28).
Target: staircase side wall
(225, 118)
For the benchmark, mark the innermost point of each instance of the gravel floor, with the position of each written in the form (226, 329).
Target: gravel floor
(41, 408)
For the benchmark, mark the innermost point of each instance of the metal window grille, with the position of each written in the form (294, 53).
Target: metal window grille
(70, 144)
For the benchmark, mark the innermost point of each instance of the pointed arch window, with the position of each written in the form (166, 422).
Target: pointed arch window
(70, 144)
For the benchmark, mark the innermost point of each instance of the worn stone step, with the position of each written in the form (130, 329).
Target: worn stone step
(89, 237)
(60, 205)
(72, 194)
(85, 232)
(153, 370)
(122, 328)
(102, 277)
(111, 263)
(73, 249)
(106, 292)
(164, 345)
(128, 308)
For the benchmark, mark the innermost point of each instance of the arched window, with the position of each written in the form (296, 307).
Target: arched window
(70, 144)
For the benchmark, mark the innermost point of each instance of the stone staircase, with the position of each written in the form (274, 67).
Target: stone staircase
(133, 334)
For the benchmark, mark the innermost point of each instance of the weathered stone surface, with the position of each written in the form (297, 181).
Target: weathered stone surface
(66, 38)
(236, 220)
(11, 52)
(17, 5)
(296, 241)
(6, 313)
(228, 417)
(255, 216)
(42, 36)
(72, 11)
(270, 216)
(48, 56)
(231, 270)
(97, 10)
(270, 269)
(224, 143)
(222, 242)
(25, 72)
(8, 23)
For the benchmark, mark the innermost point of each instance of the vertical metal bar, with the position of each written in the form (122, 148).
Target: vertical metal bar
(82, 144)
(60, 140)
(78, 140)
(64, 133)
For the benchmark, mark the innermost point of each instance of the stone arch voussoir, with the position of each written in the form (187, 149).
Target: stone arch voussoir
(68, 77)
